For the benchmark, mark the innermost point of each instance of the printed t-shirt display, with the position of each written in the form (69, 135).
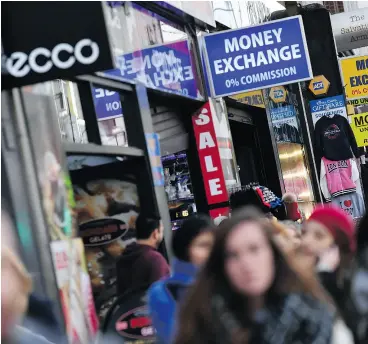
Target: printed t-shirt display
(334, 138)
(351, 203)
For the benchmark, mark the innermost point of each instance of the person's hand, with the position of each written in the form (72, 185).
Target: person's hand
(329, 259)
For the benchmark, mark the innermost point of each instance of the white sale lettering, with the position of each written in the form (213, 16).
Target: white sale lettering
(209, 164)
(215, 186)
(206, 140)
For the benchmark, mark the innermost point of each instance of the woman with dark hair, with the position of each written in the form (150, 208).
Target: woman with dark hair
(191, 245)
(248, 292)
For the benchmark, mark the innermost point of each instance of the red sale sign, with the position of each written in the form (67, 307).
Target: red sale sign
(209, 156)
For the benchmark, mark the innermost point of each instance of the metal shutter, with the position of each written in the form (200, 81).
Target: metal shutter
(167, 122)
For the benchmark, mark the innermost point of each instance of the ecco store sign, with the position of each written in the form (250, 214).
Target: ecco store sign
(20, 64)
(209, 156)
(61, 40)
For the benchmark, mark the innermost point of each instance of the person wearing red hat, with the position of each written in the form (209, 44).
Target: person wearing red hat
(329, 240)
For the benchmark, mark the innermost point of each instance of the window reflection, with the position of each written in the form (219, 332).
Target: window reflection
(68, 108)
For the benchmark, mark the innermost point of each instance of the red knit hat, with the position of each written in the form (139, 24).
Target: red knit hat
(336, 220)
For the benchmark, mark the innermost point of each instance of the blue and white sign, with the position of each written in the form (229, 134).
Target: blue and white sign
(166, 67)
(330, 106)
(107, 103)
(261, 56)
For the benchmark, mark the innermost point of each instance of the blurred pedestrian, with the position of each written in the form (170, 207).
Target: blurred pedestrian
(329, 244)
(141, 264)
(191, 245)
(24, 319)
(248, 292)
(291, 205)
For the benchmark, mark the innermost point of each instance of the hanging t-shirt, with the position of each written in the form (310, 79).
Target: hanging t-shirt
(334, 138)
(351, 203)
(338, 177)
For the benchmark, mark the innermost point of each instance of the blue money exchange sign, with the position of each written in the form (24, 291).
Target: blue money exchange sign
(167, 67)
(261, 56)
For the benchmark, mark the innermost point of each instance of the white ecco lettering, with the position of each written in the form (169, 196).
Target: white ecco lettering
(17, 65)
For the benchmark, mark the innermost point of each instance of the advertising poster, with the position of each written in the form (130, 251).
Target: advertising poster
(53, 176)
(75, 291)
(107, 206)
(257, 57)
(285, 125)
(359, 124)
(166, 67)
(327, 107)
(130, 321)
(153, 143)
(354, 75)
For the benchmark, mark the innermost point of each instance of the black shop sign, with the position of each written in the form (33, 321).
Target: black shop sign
(46, 40)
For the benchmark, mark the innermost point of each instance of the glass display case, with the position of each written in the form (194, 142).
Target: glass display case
(178, 187)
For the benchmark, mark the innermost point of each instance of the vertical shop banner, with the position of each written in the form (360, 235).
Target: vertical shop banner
(209, 156)
(261, 56)
(107, 103)
(219, 214)
(153, 143)
(354, 75)
(359, 124)
(166, 67)
(285, 125)
(327, 107)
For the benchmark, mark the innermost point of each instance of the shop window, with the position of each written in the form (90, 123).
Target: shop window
(152, 50)
(68, 108)
(109, 113)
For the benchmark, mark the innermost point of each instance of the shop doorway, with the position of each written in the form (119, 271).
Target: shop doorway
(253, 145)
(246, 151)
